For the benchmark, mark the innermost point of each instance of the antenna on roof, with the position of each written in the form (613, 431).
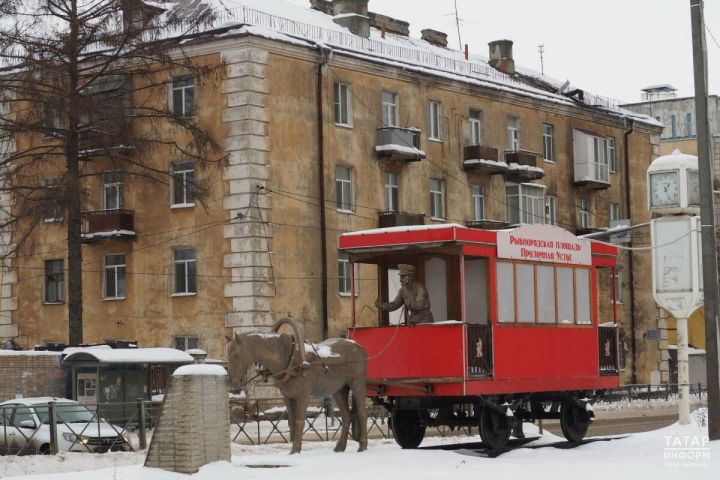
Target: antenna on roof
(541, 49)
(457, 23)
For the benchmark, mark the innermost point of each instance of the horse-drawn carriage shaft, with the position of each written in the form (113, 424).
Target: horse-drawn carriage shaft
(517, 332)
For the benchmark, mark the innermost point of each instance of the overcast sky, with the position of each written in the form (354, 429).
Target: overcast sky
(609, 47)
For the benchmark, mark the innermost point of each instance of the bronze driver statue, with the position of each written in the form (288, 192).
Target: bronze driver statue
(413, 296)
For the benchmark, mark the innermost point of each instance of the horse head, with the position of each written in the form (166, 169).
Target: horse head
(239, 360)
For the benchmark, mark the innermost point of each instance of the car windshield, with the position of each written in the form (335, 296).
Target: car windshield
(66, 413)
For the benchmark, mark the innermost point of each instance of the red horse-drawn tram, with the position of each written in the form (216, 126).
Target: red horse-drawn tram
(514, 336)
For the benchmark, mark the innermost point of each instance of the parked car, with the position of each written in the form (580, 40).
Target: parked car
(25, 428)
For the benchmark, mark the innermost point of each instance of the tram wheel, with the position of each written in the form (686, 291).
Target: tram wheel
(495, 428)
(574, 420)
(407, 428)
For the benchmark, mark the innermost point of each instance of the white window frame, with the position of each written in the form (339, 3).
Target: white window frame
(392, 191)
(390, 109)
(342, 100)
(550, 210)
(112, 181)
(475, 126)
(116, 270)
(55, 212)
(186, 263)
(477, 194)
(185, 340)
(344, 189)
(58, 279)
(434, 120)
(437, 199)
(179, 179)
(513, 134)
(611, 154)
(344, 280)
(600, 163)
(617, 277)
(178, 86)
(583, 209)
(614, 212)
(530, 207)
(548, 135)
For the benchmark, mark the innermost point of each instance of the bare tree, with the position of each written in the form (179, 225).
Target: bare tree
(80, 80)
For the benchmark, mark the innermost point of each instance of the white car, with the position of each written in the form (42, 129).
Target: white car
(25, 428)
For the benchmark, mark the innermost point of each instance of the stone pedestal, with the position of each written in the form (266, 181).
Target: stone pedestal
(194, 425)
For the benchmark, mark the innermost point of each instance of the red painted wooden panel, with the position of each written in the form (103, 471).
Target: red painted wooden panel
(423, 351)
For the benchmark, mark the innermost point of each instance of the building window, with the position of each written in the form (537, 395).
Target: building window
(343, 105)
(344, 280)
(617, 281)
(610, 153)
(435, 120)
(344, 188)
(389, 109)
(114, 278)
(392, 192)
(513, 134)
(688, 125)
(183, 96)
(550, 210)
(614, 212)
(525, 203)
(478, 202)
(52, 210)
(600, 166)
(437, 199)
(673, 126)
(548, 134)
(185, 271)
(54, 281)
(51, 121)
(186, 342)
(584, 214)
(112, 191)
(183, 180)
(476, 129)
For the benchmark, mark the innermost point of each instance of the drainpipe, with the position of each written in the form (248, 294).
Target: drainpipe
(631, 256)
(325, 57)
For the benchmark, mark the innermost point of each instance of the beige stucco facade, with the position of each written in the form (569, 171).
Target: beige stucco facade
(258, 237)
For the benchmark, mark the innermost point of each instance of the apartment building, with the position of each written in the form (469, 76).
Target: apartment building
(334, 119)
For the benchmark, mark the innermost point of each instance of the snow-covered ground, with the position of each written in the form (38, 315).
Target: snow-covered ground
(662, 454)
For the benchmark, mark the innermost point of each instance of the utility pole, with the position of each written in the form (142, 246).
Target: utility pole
(707, 213)
(541, 49)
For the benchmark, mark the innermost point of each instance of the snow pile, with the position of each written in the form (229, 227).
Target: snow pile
(200, 369)
(400, 149)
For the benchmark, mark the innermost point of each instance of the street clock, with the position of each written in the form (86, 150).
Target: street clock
(674, 185)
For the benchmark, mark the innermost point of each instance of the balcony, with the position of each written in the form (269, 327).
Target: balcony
(523, 166)
(481, 158)
(399, 219)
(592, 175)
(580, 231)
(104, 224)
(399, 144)
(487, 224)
(104, 137)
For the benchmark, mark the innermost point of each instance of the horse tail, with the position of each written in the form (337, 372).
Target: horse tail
(297, 333)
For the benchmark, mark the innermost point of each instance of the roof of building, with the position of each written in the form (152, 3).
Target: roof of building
(127, 355)
(666, 87)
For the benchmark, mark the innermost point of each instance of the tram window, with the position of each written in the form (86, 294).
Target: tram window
(525, 292)
(582, 292)
(566, 299)
(546, 293)
(505, 292)
(394, 318)
(476, 290)
(436, 278)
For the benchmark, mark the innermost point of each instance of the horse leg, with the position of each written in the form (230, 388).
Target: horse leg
(360, 413)
(341, 399)
(290, 407)
(298, 425)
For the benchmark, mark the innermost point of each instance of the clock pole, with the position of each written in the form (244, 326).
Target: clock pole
(707, 212)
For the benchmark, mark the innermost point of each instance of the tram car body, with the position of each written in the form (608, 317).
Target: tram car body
(516, 335)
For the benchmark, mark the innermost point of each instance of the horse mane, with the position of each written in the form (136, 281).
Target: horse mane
(297, 334)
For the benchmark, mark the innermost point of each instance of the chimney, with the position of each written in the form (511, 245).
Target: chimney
(351, 14)
(438, 39)
(392, 25)
(501, 56)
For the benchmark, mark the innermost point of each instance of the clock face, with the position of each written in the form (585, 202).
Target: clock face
(664, 190)
(693, 184)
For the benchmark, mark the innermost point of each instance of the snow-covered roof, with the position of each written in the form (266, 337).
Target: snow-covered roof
(129, 355)
(200, 369)
(27, 353)
(404, 228)
(676, 159)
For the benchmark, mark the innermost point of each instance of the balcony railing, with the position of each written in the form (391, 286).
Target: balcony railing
(487, 224)
(100, 138)
(400, 144)
(480, 355)
(399, 219)
(483, 158)
(523, 166)
(608, 349)
(101, 224)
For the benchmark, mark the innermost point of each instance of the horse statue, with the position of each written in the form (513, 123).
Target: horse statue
(301, 370)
